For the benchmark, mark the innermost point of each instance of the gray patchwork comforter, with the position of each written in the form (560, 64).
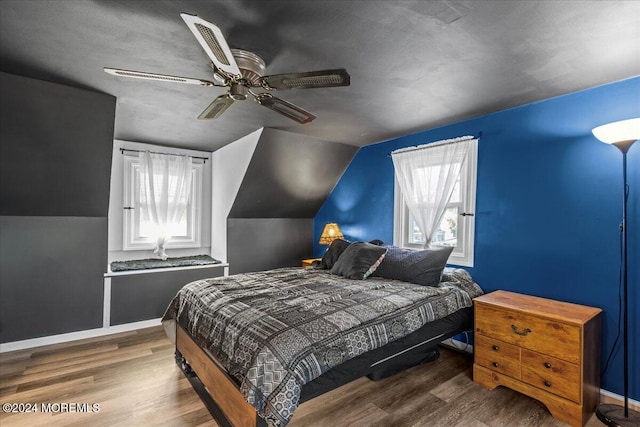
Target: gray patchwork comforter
(276, 330)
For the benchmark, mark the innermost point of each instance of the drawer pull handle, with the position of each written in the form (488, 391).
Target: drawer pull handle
(524, 333)
(547, 365)
(496, 348)
(547, 383)
(495, 364)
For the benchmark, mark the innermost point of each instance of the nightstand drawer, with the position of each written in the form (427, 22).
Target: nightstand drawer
(558, 339)
(497, 356)
(553, 375)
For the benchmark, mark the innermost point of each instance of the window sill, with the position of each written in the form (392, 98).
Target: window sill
(460, 262)
(163, 269)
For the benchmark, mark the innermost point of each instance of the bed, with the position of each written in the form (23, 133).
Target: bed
(262, 343)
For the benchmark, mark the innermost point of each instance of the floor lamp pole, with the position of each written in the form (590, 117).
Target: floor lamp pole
(613, 415)
(625, 283)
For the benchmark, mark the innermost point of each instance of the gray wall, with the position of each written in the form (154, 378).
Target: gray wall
(50, 275)
(270, 224)
(55, 154)
(256, 244)
(56, 149)
(290, 176)
(146, 296)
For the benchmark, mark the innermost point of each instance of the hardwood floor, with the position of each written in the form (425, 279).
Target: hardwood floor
(134, 380)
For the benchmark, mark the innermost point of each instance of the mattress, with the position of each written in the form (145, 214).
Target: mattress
(276, 331)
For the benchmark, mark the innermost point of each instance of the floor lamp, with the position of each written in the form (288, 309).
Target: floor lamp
(622, 134)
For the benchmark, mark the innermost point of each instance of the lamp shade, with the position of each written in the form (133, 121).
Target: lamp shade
(616, 132)
(330, 233)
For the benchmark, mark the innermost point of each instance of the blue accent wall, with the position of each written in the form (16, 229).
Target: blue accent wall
(548, 208)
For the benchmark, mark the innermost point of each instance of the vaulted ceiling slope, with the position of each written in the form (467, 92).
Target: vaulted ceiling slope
(414, 64)
(289, 176)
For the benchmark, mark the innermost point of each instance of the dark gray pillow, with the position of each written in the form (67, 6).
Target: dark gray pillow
(359, 260)
(333, 253)
(422, 267)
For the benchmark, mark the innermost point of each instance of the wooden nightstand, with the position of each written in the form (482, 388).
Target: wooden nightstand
(309, 262)
(546, 349)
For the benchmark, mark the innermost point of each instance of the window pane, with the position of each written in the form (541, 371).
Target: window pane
(447, 233)
(427, 179)
(455, 196)
(146, 227)
(139, 230)
(415, 235)
(180, 229)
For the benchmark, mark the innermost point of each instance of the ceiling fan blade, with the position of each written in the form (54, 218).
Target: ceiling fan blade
(157, 77)
(308, 80)
(214, 44)
(285, 108)
(216, 108)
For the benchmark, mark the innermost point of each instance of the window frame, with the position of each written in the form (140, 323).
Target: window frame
(463, 253)
(131, 239)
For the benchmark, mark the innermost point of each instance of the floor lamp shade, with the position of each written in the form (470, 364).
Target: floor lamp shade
(622, 134)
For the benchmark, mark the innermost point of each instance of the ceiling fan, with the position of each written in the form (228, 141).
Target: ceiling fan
(242, 71)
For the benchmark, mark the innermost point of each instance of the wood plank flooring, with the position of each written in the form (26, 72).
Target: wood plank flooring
(133, 378)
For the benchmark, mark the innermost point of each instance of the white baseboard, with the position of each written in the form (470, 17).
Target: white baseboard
(74, 336)
(609, 397)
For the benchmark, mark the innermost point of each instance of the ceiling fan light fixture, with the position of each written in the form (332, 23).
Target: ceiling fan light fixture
(238, 92)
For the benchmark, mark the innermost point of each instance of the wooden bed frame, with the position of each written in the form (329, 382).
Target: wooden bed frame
(221, 396)
(218, 391)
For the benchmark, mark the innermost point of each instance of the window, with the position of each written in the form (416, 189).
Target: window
(458, 222)
(137, 231)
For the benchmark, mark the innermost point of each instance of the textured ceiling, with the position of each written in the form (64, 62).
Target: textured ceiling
(414, 65)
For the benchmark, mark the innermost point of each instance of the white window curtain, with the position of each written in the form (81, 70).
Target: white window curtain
(427, 175)
(165, 193)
